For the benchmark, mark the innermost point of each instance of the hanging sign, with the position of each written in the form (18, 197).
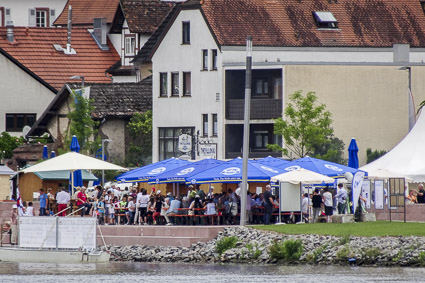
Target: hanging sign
(185, 143)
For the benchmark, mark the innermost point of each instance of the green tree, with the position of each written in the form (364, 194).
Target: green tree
(8, 144)
(372, 155)
(140, 129)
(307, 130)
(81, 124)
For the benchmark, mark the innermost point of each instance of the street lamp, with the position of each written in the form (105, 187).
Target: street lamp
(78, 78)
(103, 159)
(412, 118)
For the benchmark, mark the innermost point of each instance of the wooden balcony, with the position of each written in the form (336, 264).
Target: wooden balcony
(260, 109)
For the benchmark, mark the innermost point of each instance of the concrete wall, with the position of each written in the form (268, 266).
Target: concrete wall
(19, 9)
(4, 187)
(369, 103)
(172, 56)
(20, 93)
(114, 129)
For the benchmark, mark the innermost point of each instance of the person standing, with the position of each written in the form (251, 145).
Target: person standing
(43, 203)
(317, 204)
(14, 225)
(327, 199)
(268, 205)
(421, 194)
(341, 197)
(62, 199)
(304, 208)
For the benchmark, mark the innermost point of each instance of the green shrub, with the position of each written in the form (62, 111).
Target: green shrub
(254, 252)
(343, 254)
(289, 250)
(225, 244)
(421, 258)
(344, 240)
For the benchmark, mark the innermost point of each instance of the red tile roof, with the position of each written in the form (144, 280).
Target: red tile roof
(34, 50)
(84, 11)
(144, 16)
(361, 23)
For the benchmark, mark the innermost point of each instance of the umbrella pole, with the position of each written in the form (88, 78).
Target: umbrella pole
(280, 203)
(72, 184)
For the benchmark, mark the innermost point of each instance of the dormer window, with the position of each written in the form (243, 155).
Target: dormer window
(325, 20)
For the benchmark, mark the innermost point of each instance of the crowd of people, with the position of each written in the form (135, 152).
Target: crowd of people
(133, 206)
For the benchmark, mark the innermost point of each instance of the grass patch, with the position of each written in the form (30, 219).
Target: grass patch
(289, 250)
(225, 244)
(361, 229)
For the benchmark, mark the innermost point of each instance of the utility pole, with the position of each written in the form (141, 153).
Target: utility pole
(247, 114)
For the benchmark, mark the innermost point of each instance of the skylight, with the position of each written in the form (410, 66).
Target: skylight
(325, 19)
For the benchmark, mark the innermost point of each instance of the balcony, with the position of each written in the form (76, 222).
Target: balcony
(254, 154)
(260, 109)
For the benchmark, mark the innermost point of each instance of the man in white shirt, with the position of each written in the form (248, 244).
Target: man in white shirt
(116, 190)
(341, 197)
(304, 207)
(62, 199)
(138, 198)
(327, 199)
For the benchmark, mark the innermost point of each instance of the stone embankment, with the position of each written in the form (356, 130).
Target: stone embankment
(253, 246)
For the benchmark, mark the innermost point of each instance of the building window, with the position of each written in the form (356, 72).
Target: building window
(214, 59)
(163, 80)
(186, 33)
(187, 84)
(41, 17)
(215, 125)
(325, 19)
(52, 16)
(169, 140)
(205, 125)
(130, 45)
(175, 90)
(204, 59)
(261, 139)
(16, 122)
(261, 87)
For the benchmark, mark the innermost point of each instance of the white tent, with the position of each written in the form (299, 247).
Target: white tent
(408, 157)
(72, 161)
(302, 176)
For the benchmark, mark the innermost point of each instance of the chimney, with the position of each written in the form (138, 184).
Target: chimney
(9, 31)
(68, 43)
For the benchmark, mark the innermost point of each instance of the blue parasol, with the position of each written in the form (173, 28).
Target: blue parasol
(77, 179)
(323, 167)
(272, 161)
(45, 154)
(231, 172)
(180, 174)
(353, 159)
(143, 174)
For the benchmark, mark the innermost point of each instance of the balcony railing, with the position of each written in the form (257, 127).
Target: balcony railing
(260, 109)
(254, 154)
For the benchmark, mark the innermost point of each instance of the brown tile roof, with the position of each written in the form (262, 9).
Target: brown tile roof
(117, 100)
(84, 11)
(34, 50)
(361, 23)
(144, 16)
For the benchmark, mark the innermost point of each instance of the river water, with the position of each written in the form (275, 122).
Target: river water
(205, 273)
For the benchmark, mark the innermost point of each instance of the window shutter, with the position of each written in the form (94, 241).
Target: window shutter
(31, 19)
(52, 16)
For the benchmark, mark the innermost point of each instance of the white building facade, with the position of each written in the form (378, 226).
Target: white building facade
(30, 13)
(198, 89)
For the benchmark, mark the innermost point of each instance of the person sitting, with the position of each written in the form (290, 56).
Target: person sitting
(82, 202)
(173, 210)
(411, 198)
